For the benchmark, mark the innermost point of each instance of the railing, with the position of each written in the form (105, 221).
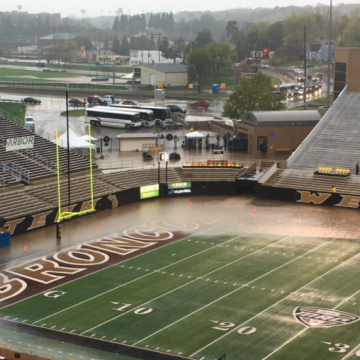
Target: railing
(2, 180)
(133, 164)
(80, 151)
(17, 172)
(51, 165)
(11, 118)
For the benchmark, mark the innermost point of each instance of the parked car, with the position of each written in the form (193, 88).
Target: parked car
(200, 104)
(169, 124)
(29, 122)
(3, 59)
(129, 102)
(41, 64)
(176, 109)
(110, 99)
(95, 100)
(77, 102)
(147, 156)
(31, 100)
(174, 156)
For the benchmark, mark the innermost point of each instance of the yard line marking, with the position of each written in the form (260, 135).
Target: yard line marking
(278, 302)
(221, 267)
(233, 291)
(35, 256)
(131, 281)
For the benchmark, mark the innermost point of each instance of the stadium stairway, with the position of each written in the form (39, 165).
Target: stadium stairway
(335, 141)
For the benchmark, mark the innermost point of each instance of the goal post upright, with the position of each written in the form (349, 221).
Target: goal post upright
(69, 214)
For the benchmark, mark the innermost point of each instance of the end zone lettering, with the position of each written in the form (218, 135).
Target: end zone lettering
(67, 263)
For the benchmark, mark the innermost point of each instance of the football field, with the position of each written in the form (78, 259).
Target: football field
(243, 294)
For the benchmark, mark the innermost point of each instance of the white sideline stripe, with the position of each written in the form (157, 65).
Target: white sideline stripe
(309, 283)
(131, 281)
(231, 292)
(179, 287)
(109, 267)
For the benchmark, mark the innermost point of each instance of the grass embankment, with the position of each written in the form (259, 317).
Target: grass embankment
(74, 113)
(83, 67)
(14, 109)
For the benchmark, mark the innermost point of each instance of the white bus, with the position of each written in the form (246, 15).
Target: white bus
(160, 113)
(147, 116)
(106, 116)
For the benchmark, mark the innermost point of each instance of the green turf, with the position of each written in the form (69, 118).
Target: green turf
(35, 73)
(15, 109)
(201, 291)
(74, 113)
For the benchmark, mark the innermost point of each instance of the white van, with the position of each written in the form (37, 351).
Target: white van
(29, 122)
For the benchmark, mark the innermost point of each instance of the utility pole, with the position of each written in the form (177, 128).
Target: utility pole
(305, 75)
(329, 57)
(99, 45)
(54, 44)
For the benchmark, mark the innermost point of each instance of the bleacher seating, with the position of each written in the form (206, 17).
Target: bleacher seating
(128, 179)
(334, 142)
(211, 174)
(307, 180)
(41, 160)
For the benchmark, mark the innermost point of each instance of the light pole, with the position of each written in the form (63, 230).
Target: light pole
(329, 57)
(118, 24)
(83, 11)
(19, 7)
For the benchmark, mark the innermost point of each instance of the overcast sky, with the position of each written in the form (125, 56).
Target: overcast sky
(97, 8)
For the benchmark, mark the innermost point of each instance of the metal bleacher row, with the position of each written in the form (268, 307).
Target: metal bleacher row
(36, 198)
(39, 161)
(307, 180)
(334, 142)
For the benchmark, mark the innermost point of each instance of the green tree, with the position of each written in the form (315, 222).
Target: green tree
(203, 38)
(116, 46)
(84, 41)
(124, 47)
(66, 50)
(253, 94)
(351, 35)
(294, 34)
(199, 68)
(220, 55)
(232, 30)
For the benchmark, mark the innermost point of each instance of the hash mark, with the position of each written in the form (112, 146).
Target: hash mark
(172, 274)
(124, 341)
(62, 329)
(72, 331)
(53, 327)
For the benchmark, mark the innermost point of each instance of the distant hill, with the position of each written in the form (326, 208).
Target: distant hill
(246, 15)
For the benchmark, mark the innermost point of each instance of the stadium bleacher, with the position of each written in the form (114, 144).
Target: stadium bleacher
(39, 161)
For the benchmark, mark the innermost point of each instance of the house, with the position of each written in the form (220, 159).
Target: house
(149, 57)
(48, 40)
(165, 74)
(318, 50)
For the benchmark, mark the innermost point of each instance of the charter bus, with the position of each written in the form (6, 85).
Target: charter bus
(147, 116)
(160, 113)
(105, 116)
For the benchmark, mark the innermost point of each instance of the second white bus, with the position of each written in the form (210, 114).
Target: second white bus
(147, 116)
(106, 116)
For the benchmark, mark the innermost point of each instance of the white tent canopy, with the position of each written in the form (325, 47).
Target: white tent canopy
(86, 138)
(194, 135)
(75, 141)
(128, 76)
